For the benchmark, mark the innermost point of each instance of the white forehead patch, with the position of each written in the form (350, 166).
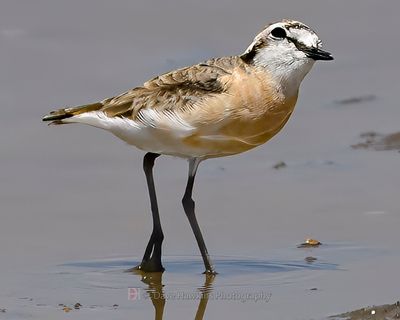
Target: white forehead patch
(307, 37)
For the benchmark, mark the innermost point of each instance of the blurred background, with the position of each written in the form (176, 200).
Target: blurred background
(75, 193)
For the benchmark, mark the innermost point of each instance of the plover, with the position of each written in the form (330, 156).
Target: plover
(220, 107)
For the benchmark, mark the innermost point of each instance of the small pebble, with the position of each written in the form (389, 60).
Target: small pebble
(67, 309)
(3, 310)
(309, 243)
(280, 165)
(357, 99)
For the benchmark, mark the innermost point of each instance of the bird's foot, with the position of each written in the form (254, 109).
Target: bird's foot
(210, 272)
(150, 265)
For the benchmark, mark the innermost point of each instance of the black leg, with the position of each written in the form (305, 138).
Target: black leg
(152, 257)
(188, 205)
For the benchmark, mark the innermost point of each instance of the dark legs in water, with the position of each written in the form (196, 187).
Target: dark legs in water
(151, 261)
(188, 206)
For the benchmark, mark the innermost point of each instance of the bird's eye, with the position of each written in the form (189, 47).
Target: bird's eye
(278, 33)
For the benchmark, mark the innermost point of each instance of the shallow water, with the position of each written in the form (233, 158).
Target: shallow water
(74, 212)
(245, 285)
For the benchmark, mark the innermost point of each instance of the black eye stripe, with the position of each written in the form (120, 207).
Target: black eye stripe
(299, 45)
(278, 32)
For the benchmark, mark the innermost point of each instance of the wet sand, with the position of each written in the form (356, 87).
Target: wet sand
(74, 206)
(383, 312)
(379, 142)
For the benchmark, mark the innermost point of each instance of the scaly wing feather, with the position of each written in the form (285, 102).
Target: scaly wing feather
(169, 94)
(172, 93)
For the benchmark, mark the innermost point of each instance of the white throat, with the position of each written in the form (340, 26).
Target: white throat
(287, 71)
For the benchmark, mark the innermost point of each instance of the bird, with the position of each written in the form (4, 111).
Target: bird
(220, 107)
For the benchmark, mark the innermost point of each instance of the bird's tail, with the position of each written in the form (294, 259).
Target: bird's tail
(58, 116)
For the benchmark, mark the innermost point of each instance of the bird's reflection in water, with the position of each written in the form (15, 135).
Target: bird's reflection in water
(205, 291)
(155, 291)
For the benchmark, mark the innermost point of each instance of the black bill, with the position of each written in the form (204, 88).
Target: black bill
(317, 54)
(311, 52)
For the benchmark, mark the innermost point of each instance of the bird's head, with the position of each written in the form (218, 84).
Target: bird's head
(287, 49)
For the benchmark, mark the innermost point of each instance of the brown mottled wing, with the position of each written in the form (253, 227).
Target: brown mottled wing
(176, 91)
